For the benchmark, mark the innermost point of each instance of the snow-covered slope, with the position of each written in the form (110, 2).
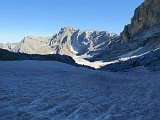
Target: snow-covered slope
(150, 60)
(32, 90)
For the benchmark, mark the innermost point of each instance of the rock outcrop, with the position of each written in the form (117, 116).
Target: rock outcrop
(146, 20)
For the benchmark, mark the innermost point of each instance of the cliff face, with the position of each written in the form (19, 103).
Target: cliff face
(146, 19)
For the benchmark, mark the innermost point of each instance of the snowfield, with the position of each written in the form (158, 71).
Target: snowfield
(36, 90)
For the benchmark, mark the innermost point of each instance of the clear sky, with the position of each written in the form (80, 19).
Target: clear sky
(19, 18)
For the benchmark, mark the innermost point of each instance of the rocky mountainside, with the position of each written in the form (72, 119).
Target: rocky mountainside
(146, 20)
(142, 35)
(139, 42)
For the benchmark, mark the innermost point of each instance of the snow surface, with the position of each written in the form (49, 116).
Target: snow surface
(131, 55)
(98, 64)
(36, 90)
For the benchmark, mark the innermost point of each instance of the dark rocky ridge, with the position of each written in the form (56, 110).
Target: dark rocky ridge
(6, 55)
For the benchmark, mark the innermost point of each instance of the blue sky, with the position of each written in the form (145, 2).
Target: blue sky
(19, 18)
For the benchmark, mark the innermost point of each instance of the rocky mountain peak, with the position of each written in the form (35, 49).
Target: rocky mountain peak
(146, 19)
(66, 29)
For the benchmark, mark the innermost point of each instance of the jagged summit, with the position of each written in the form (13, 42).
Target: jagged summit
(66, 28)
(90, 31)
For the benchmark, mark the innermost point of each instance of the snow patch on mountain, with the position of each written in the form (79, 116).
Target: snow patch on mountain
(96, 64)
(72, 50)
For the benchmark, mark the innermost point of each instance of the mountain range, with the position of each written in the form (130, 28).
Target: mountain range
(67, 41)
(137, 45)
